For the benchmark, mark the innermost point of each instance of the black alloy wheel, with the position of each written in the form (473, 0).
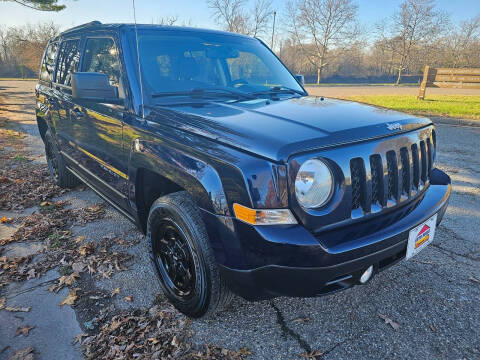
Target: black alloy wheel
(174, 258)
(183, 258)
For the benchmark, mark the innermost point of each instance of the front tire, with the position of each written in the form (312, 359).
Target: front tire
(182, 257)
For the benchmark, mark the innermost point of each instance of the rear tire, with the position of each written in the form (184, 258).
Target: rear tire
(61, 176)
(182, 257)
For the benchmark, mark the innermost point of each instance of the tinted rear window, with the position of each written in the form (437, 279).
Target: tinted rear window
(68, 59)
(48, 63)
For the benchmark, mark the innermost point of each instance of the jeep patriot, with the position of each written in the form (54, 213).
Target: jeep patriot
(242, 183)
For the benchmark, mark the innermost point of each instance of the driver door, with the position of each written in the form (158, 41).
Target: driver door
(100, 125)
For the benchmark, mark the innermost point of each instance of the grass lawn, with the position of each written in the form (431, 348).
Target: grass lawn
(359, 84)
(19, 79)
(460, 106)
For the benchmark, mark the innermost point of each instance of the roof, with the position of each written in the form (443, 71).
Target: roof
(97, 25)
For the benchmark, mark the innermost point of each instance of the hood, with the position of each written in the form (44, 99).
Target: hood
(279, 129)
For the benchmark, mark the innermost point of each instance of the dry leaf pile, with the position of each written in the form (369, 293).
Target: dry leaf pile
(24, 354)
(158, 333)
(24, 184)
(51, 218)
(100, 259)
(50, 225)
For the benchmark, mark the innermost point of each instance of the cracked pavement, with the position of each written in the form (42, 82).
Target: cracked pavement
(434, 297)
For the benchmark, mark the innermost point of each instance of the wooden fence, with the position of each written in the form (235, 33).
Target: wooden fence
(461, 78)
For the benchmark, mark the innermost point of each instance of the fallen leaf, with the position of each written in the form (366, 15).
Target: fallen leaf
(3, 306)
(24, 330)
(114, 325)
(474, 279)
(78, 338)
(128, 298)
(154, 341)
(175, 341)
(312, 354)
(79, 239)
(115, 292)
(31, 274)
(45, 203)
(86, 249)
(24, 354)
(302, 320)
(70, 299)
(244, 351)
(69, 279)
(387, 320)
(5, 220)
(78, 267)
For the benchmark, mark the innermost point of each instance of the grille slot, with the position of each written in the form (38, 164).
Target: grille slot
(359, 183)
(430, 158)
(424, 161)
(395, 176)
(377, 179)
(416, 166)
(392, 166)
(405, 158)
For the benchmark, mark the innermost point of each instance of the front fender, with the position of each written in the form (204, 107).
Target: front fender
(197, 177)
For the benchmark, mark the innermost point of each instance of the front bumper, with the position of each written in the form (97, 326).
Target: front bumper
(261, 262)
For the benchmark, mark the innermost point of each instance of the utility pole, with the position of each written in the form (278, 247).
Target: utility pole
(273, 29)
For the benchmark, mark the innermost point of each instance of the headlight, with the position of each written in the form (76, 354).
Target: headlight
(314, 184)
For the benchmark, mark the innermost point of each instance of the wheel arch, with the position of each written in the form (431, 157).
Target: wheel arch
(156, 170)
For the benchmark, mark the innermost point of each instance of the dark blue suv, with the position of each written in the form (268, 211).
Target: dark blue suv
(242, 182)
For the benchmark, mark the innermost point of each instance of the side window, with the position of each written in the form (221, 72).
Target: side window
(68, 59)
(48, 62)
(101, 55)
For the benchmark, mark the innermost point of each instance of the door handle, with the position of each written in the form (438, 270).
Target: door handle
(76, 112)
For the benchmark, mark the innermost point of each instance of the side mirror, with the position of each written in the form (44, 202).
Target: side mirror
(300, 79)
(93, 87)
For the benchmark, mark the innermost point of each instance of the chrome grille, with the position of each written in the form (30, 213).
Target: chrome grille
(392, 177)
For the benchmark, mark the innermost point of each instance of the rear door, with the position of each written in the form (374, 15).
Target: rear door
(68, 60)
(99, 125)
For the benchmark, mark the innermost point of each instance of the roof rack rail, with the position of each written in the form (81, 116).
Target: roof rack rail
(89, 24)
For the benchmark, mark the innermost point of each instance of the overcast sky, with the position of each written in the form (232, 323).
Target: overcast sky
(197, 11)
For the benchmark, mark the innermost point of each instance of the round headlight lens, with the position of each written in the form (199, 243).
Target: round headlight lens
(314, 184)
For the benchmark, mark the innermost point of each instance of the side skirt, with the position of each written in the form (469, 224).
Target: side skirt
(118, 208)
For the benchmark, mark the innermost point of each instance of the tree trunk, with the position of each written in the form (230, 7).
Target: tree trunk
(319, 75)
(399, 76)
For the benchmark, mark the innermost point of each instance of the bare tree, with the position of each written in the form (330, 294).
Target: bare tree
(462, 41)
(236, 16)
(262, 13)
(42, 5)
(416, 23)
(22, 48)
(319, 25)
(167, 20)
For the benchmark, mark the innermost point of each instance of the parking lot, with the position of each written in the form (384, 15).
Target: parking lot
(424, 308)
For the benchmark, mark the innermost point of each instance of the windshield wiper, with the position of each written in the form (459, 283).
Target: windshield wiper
(207, 92)
(278, 90)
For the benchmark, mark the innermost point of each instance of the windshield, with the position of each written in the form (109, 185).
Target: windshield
(176, 63)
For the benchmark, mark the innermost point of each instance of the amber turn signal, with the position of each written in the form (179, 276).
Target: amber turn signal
(264, 217)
